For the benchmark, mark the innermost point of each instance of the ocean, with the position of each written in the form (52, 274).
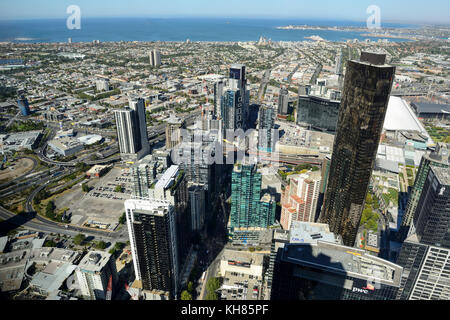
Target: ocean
(175, 29)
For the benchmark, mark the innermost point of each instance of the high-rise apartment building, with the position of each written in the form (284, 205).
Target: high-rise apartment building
(439, 158)
(132, 130)
(283, 101)
(249, 207)
(235, 100)
(172, 187)
(299, 199)
(368, 83)
(266, 125)
(173, 131)
(94, 273)
(155, 58)
(153, 239)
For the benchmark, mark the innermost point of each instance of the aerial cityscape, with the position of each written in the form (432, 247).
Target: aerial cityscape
(223, 159)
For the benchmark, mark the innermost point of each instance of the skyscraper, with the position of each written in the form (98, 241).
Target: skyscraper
(218, 92)
(283, 102)
(309, 263)
(245, 196)
(235, 100)
(439, 158)
(155, 58)
(24, 107)
(132, 130)
(143, 175)
(299, 199)
(153, 239)
(368, 83)
(173, 131)
(266, 125)
(197, 201)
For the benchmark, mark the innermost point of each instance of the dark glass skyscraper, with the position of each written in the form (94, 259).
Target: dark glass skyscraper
(24, 106)
(365, 97)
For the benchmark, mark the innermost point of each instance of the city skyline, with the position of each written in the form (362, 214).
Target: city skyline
(433, 11)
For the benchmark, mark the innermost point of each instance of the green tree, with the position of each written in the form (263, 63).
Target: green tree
(101, 245)
(85, 187)
(213, 284)
(50, 243)
(190, 287)
(186, 295)
(119, 189)
(122, 219)
(211, 296)
(79, 239)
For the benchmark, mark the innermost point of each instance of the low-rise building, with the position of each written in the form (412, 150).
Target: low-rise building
(66, 146)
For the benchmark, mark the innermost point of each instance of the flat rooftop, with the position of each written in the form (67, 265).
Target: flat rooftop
(343, 260)
(443, 175)
(168, 177)
(305, 232)
(94, 261)
(243, 257)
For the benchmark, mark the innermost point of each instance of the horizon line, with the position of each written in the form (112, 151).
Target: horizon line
(394, 21)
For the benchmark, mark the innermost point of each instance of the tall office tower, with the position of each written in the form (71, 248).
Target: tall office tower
(94, 272)
(153, 239)
(193, 158)
(299, 199)
(439, 158)
(425, 255)
(235, 100)
(143, 174)
(197, 202)
(318, 108)
(218, 92)
(426, 271)
(283, 101)
(172, 187)
(363, 108)
(266, 125)
(309, 263)
(155, 58)
(173, 131)
(132, 131)
(24, 107)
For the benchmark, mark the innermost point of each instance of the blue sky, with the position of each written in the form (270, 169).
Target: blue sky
(406, 11)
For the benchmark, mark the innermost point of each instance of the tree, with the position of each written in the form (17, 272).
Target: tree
(213, 284)
(79, 239)
(85, 187)
(50, 210)
(211, 296)
(190, 287)
(101, 245)
(50, 243)
(119, 189)
(123, 219)
(186, 295)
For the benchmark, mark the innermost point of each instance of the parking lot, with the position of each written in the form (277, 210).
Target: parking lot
(101, 206)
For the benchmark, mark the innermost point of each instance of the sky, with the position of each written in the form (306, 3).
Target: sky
(403, 11)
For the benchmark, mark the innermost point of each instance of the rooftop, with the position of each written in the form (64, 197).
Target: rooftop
(168, 177)
(442, 174)
(305, 232)
(94, 261)
(343, 260)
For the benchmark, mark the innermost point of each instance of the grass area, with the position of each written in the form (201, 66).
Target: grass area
(438, 134)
